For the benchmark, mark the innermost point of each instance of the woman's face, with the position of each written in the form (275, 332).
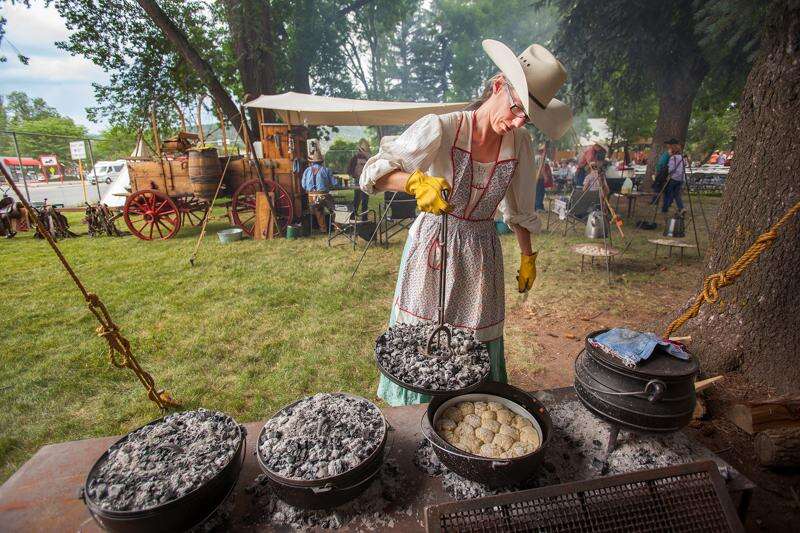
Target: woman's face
(498, 106)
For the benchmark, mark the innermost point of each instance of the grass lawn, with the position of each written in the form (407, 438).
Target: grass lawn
(255, 325)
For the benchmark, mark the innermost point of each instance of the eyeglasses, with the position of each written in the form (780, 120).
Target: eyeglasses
(516, 109)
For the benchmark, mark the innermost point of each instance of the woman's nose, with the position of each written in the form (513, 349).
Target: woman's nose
(518, 122)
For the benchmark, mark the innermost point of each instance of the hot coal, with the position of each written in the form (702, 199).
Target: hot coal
(321, 436)
(464, 364)
(367, 512)
(164, 461)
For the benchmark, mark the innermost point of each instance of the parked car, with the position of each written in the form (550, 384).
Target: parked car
(106, 171)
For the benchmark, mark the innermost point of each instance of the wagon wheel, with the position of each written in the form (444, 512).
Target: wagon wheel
(151, 214)
(243, 205)
(192, 209)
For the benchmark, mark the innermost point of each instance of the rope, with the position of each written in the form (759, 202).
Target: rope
(713, 283)
(119, 349)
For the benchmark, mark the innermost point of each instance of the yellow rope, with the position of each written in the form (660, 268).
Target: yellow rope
(713, 283)
(119, 349)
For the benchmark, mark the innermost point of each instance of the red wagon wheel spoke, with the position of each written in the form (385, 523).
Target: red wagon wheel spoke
(149, 211)
(243, 205)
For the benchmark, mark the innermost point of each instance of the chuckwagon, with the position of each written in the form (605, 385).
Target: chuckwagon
(175, 186)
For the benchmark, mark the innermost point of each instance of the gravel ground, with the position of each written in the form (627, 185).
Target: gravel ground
(321, 436)
(164, 461)
(468, 360)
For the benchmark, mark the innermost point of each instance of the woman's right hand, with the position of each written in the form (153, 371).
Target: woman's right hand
(428, 192)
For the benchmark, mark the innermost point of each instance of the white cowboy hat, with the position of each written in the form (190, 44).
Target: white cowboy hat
(537, 73)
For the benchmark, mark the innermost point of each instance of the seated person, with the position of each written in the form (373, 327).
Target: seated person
(318, 180)
(11, 215)
(593, 182)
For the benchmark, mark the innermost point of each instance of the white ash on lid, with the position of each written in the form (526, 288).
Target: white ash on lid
(164, 461)
(400, 355)
(321, 436)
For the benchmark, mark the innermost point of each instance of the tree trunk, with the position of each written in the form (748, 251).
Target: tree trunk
(675, 106)
(250, 24)
(757, 329)
(203, 70)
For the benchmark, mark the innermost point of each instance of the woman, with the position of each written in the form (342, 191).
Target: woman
(483, 157)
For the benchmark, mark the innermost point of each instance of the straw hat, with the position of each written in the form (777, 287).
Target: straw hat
(537, 73)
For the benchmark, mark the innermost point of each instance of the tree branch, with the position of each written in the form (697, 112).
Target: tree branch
(355, 6)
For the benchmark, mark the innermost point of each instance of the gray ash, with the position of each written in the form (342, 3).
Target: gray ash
(426, 460)
(369, 511)
(164, 461)
(400, 356)
(321, 436)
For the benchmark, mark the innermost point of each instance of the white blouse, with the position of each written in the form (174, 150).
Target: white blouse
(426, 146)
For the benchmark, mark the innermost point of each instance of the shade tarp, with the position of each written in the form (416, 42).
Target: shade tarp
(310, 109)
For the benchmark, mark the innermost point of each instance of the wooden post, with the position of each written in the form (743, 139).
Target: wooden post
(83, 181)
(263, 229)
(778, 447)
(200, 119)
(154, 125)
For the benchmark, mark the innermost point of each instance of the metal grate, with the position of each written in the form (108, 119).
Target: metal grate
(689, 497)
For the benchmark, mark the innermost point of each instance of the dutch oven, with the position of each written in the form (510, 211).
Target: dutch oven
(656, 395)
(491, 472)
(330, 491)
(179, 514)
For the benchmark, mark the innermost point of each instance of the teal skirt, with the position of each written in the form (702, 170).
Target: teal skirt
(395, 395)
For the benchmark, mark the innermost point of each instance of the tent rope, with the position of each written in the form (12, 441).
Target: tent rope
(713, 283)
(119, 349)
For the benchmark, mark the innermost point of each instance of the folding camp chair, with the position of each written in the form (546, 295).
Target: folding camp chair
(402, 211)
(579, 205)
(344, 222)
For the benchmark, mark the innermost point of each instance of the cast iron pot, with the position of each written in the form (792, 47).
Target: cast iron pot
(420, 390)
(180, 514)
(329, 491)
(491, 472)
(655, 396)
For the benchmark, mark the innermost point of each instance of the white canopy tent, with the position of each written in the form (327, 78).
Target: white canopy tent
(113, 196)
(309, 109)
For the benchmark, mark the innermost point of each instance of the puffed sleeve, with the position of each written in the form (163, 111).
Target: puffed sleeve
(414, 150)
(518, 206)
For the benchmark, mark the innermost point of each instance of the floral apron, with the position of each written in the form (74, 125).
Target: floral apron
(475, 287)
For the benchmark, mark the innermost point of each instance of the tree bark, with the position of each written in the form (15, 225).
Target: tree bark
(250, 24)
(201, 68)
(756, 330)
(675, 105)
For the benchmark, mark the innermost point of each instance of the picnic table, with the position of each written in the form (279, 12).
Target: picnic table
(632, 197)
(43, 494)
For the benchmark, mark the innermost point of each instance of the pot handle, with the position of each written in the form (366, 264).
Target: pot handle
(655, 389)
(500, 464)
(323, 489)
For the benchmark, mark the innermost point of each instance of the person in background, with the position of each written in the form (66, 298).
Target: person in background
(318, 180)
(676, 168)
(722, 159)
(543, 181)
(593, 181)
(354, 168)
(714, 158)
(662, 172)
(595, 153)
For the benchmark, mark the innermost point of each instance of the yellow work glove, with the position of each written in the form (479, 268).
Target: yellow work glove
(428, 192)
(527, 272)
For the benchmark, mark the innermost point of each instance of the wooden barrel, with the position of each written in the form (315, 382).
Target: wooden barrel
(204, 172)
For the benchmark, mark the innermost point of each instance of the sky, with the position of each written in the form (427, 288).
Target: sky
(64, 81)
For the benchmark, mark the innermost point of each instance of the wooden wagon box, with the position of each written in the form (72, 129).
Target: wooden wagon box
(241, 170)
(170, 176)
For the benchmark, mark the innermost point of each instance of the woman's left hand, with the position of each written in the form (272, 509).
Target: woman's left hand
(526, 274)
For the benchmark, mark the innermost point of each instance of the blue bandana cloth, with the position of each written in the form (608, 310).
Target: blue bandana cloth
(635, 346)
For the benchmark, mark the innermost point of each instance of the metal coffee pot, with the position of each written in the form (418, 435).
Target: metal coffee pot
(675, 227)
(597, 226)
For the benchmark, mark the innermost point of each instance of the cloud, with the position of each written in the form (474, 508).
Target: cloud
(64, 81)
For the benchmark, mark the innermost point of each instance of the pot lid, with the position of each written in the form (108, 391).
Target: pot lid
(660, 364)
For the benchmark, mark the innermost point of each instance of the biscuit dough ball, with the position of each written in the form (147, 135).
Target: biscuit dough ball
(488, 415)
(504, 416)
(494, 406)
(504, 442)
(448, 436)
(521, 448)
(467, 408)
(480, 407)
(521, 422)
(505, 429)
(484, 435)
(454, 414)
(529, 436)
(472, 420)
(470, 444)
(464, 430)
(491, 425)
(445, 424)
(490, 450)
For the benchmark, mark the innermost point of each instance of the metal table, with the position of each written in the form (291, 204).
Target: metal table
(43, 494)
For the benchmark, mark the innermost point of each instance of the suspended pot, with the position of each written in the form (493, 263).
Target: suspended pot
(676, 227)
(656, 395)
